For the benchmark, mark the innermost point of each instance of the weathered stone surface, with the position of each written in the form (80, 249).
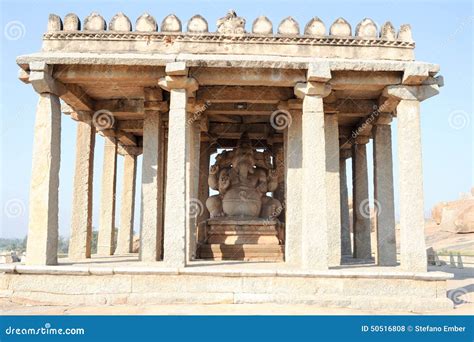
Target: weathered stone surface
(125, 232)
(151, 232)
(294, 187)
(197, 24)
(346, 248)
(457, 216)
(361, 208)
(412, 240)
(315, 228)
(42, 241)
(95, 22)
(54, 23)
(340, 27)
(105, 240)
(315, 27)
(262, 25)
(387, 32)
(243, 176)
(404, 34)
(81, 221)
(333, 189)
(289, 26)
(72, 22)
(146, 23)
(231, 24)
(383, 196)
(120, 22)
(171, 23)
(366, 29)
(436, 212)
(174, 253)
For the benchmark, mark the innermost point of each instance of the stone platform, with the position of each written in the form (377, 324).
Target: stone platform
(242, 239)
(115, 281)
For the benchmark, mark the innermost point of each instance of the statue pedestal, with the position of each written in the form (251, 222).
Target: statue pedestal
(232, 238)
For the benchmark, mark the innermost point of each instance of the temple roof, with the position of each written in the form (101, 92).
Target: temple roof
(338, 40)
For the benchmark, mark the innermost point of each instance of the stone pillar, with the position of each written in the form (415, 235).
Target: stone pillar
(105, 240)
(386, 254)
(412, 221)
(346, 248)
(194, 205)
(360, 200)
(315, 229)
(412, 218)
(293, 183)
(127, 211)
(203, 192)
(331, 130)
(279, 162)
(81, 222)
(42, 244)
(177, 199)
(151, 233)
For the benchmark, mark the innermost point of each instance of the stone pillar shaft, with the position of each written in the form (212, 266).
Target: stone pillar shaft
(346, 248)
(105, 240)
(315, 204)
(383, 195)
(194, 206)
(42, 244)
(412, 237)
(176, 181)
(81, 222)
(203, 192)
(127, 211)
(151, 233)
(361, 205)
(279, 162)
(293, 188)
(331, 130)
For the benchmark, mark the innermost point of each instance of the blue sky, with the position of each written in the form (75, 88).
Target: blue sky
(443, 31)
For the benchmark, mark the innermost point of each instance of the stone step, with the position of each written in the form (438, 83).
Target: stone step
(243, 239)
(242, 252)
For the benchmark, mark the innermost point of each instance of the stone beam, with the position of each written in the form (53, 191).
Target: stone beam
(348, 106)
(121, 107)
(258, 94)
(77, 98)
(123, 137)
(246, 109)
(103, 73)
(226, 130)
(347, 80)
(268, 77)
(130, 126)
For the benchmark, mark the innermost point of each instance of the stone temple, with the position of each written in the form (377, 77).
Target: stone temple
(244, 135)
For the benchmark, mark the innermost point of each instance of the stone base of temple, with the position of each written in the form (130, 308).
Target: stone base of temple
(242, 239)
(103, 283)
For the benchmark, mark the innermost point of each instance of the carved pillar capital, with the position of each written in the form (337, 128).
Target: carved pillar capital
(42, 80)
(320, 89)
(177, 78)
